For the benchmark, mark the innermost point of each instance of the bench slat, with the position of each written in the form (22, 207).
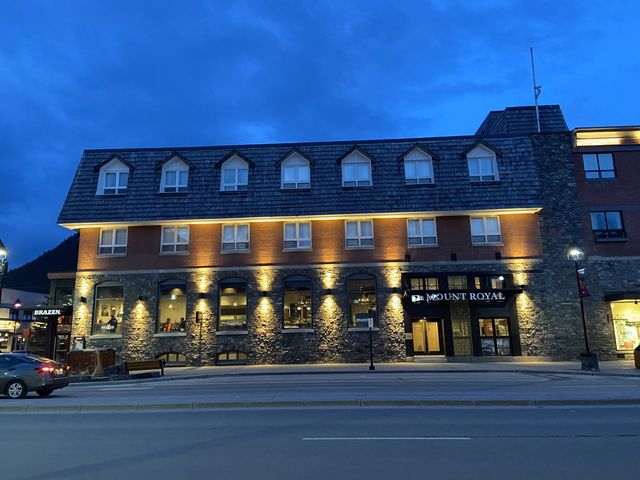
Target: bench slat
(134, 365)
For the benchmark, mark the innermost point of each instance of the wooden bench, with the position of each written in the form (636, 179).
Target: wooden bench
(137, 365)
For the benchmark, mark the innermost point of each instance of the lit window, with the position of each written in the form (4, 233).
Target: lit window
(113, 241)
(457, 282)
(113, 178)
(297, 302)
(607, 225)
(361, 291)
(626, 324)
(295, 172)
(359, 233)
(173, 359)
(356, 171)
(422, 232)
(233, 357)
(175, 240)
(297, 236)
(598, 165)
(175, 176)
(485, 230)
(108, 310)
(172, 309)
(494, 336)
(233, 305)
(418, 167)
(234, 175)
(235, 238)
(482, 165)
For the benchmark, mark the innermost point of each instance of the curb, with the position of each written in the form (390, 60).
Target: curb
(319, 404)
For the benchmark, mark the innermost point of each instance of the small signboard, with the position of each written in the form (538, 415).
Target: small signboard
(370, 322)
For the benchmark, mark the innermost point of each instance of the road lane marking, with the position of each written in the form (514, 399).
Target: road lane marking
(125, 389)
(330, 439)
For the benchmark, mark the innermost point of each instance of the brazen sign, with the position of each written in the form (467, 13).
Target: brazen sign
(42, 312)
(457, 296)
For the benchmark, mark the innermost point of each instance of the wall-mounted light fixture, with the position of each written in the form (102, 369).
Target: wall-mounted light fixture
(264, 293)
(143, 298)
(202, 295)
(83, 299)
(327, 291)
(395, 290)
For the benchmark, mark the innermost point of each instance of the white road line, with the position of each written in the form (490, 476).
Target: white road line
(330, 439)
(125, 389)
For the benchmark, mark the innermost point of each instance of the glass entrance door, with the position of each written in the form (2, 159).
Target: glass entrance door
(427, 337)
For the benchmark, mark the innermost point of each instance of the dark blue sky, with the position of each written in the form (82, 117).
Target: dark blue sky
(96, 74)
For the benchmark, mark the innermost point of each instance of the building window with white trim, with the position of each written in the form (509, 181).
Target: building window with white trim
(175, 176)
(235, 238)
(359, 233)
(113, 241)
(422, 232)
(113, 178)
(485, 231)
(234, 175)
(297, 236)
(482, 165)
(418, 168)
(295, 173)
(356, 171)
(175, 240)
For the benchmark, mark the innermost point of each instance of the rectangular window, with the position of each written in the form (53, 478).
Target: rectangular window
(108, 311)
(457, 282)
(356, 174)
(626, 324)
(359, 234)
(607, 225)
(485, 230)
(494, 336)
(296, 176)
(418, 172)
(482, 169)
(175, 181)
(422, 232)
(172, 308)
(598, 165)
(233, 305)
(115, 182)
(175, 240)
(113, 241)
(297, 302)
(235, 178)
(235, 238)
(297, 236)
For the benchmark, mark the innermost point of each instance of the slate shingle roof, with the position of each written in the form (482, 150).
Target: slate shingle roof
(522, 121)
(518, 187)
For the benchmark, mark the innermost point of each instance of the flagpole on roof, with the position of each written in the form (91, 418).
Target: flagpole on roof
(537, 89)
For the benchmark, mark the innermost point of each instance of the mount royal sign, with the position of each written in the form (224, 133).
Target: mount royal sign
(457, 297)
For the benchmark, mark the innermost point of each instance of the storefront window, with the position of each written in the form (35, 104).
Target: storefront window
(362, 300)
(494, 336)
(109, 308)
(297, 302)
(233, 305)
(626, 324)
(63, 296)
(461, 336)
(172, 308)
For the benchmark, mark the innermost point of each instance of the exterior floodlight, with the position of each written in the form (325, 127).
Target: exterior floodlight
(17, 304)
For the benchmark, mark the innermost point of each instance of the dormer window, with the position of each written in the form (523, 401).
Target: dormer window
(482, 164)
(113, 177)
(418, 167)
(175, 176)
(295, 172)
(235, 175)
(356, 170)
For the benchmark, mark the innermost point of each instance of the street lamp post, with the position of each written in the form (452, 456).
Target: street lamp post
(589, 359)
(4, 266)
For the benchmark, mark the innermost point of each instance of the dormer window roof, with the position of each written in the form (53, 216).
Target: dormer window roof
(113, 176)
(356, 168)
(234, 174)
(175, 173)
(295, 171)
(482, 163)
(418, 166)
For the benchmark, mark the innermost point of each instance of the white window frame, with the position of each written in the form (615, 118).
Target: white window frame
(423, 238)
(415, 157)
(235, 245)
(174, 166)
(484, 157)
(235, 164)
(120, 170)
(298, 164)
(296, 243)
(357, 160)
(359, 238)
(113, 245)
(485, 233)
(176, 245)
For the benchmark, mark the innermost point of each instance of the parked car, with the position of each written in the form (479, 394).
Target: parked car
(21, 373)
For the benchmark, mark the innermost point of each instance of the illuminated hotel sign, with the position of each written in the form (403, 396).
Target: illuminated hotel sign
(47, 312)
(457, 296)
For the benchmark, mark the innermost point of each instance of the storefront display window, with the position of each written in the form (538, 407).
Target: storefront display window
(626, 324)
(109, 309)
(494, 336)
(362, 300)
(172, 308)
(297, 302)
(233, 305)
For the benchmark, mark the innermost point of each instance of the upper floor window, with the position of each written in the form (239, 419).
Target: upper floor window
(598, 165)
(297, 235)
(418, 167)
(422, 232)
(359, 233)
(175, 240)
(607, 225)
(485, 230)
(113, 178)
(175, 176)
(235, 238)
(356, 170)
(235, 174)
(295, 172)
(482, 164)
(113, 241)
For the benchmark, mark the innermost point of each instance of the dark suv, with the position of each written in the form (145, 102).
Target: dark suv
(21, 373)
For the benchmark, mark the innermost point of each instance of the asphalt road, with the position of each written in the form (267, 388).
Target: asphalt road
(356, 443)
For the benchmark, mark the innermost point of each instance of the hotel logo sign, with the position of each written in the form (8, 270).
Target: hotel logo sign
(457, 297)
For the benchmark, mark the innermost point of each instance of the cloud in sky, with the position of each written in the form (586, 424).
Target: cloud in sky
(85, 74)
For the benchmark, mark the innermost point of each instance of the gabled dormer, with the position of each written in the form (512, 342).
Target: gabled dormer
(482, 162)
(418, 165)
(234, 172)
(356, 168)
(113, 176)
(175, 173)
(295, 170)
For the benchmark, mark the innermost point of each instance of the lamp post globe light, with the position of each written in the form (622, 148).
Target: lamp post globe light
(589, 359)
